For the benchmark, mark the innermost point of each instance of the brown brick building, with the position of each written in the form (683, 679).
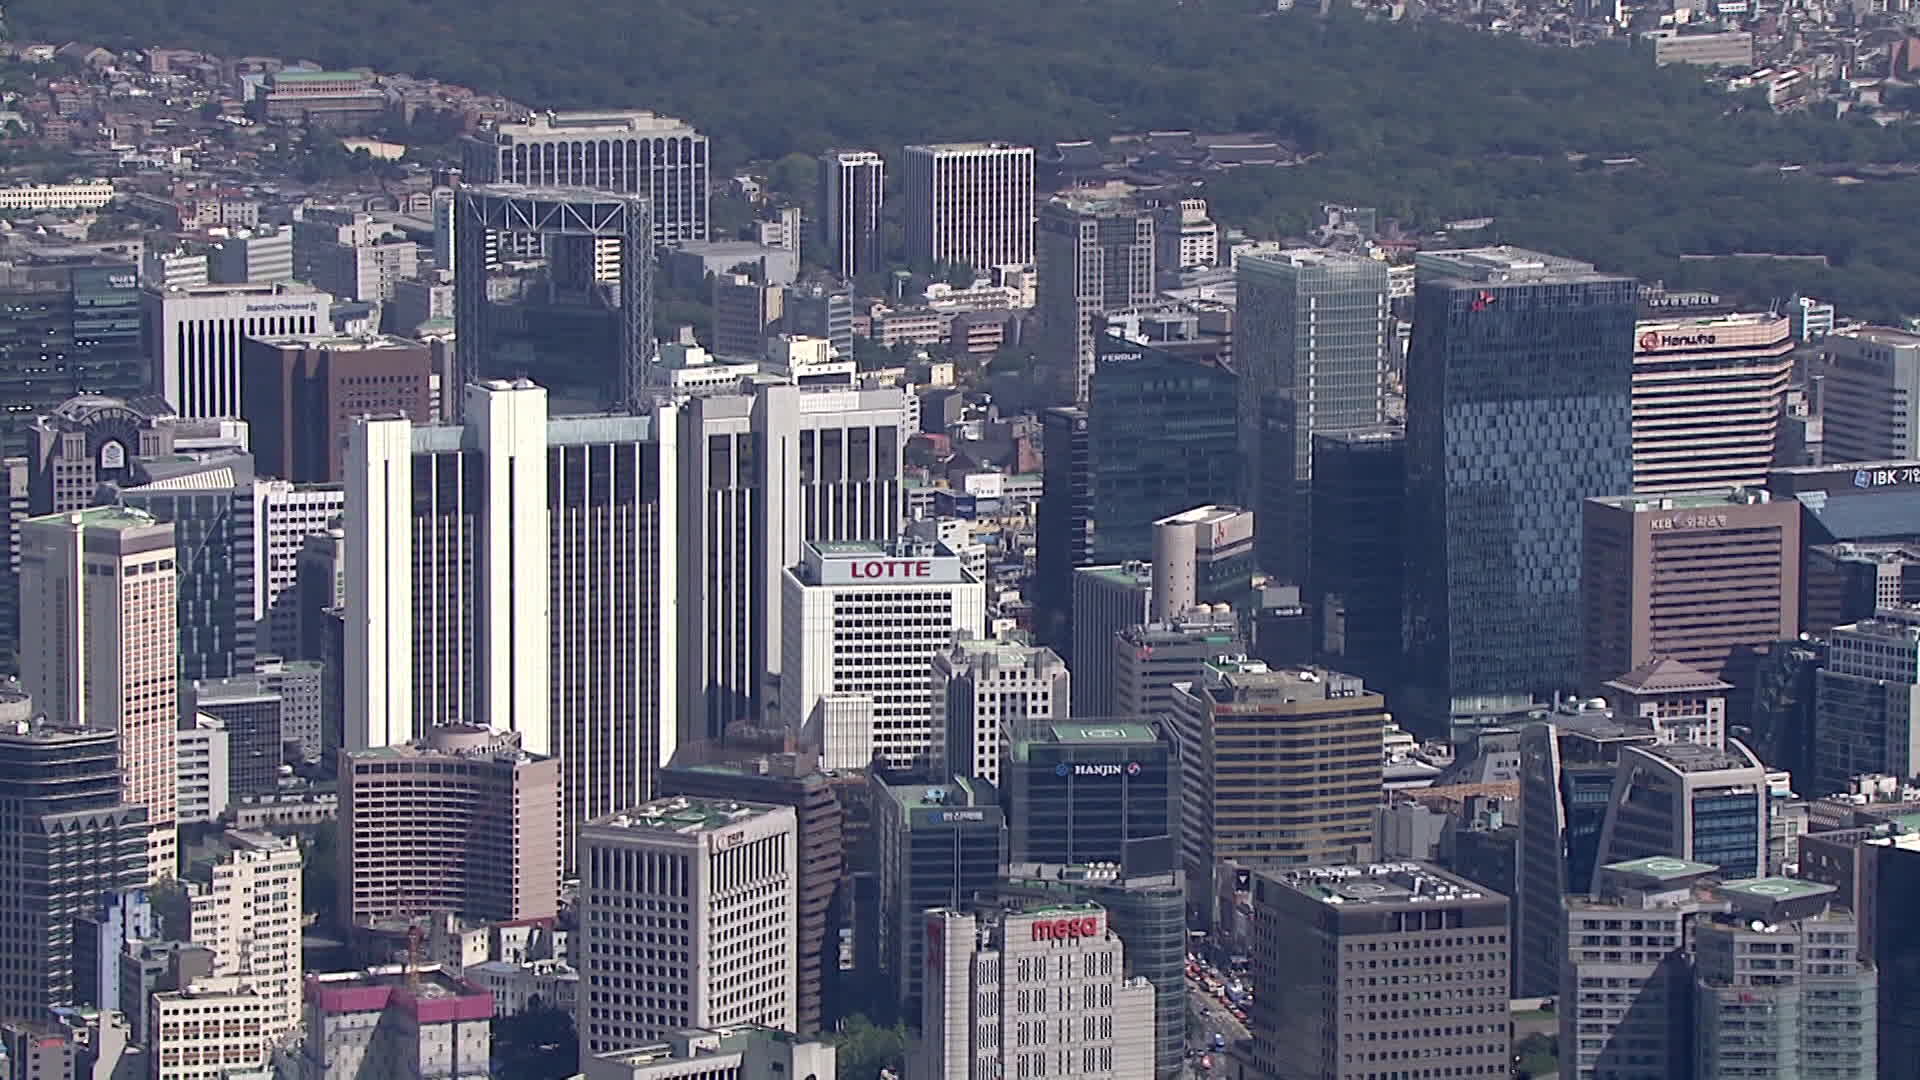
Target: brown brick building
(298, 393)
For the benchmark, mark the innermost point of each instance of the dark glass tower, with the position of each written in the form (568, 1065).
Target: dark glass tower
(1519, 380)
(1358, 571)
(1063, 525)
(1091, 791)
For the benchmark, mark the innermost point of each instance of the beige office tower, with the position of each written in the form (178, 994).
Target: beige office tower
(246, 907)
(1709, 396)
(968, 203)
(1037, 990)
(99, 632)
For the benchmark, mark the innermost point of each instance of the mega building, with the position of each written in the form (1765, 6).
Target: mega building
(1519, 385)
(1868, 395)
(765, 473)
(515, 572)
(1037, 990)
(1709, 397)
(712, 772)
(969, 203)
(1315, 1018)
(193, 338)
(1705, 803)
(579, 319)
(1711, 579)
(622, 152)
(246, 908)
(463, 820)
(868, 619)
(1281, 768)
(1093, 257)
(1092, 791)
(100, 646)
(935, 845)
(1356, 576)
(299, 394)
(852, 190)
(70, 837)
(1866, 702)
(416, 1020)
(718, 879)
(985, 693)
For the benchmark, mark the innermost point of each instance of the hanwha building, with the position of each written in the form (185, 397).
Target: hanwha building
(1708, 396)
(553, 284)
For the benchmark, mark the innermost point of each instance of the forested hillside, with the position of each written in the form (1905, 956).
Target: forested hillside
(1429, 122)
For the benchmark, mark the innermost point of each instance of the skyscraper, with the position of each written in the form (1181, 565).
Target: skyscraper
(1709, 397)
(1150, 659)
(1063, 524)
(986, 691)
(514, 573)
(623, 152)
(298, 394)
(1093, 257)
(193, 338)
(1092, 790)
(1356, 581)
(1867, 399)
(1312, 340)
(1519, 384)
(1201, 556)
(853, 188)
(70, 836)
(1704, 803)
(1106, 600)
(969, 203)
(718, 878)
(89, 316)
(246, 907)
(100, 646)
(1866, 702)
(936, 845)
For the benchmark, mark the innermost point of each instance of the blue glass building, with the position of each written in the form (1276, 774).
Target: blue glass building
(1519, 381)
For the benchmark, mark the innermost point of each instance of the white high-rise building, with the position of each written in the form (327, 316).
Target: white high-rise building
(764, 473)
(868, 618)
(853, 188)
(969, 203)
(628, 152)
(193, 336)
(1870, 399)
(688, 919)
(248, 911)
(284, 515)
(1039, 991)
(99, 646)
(517, 573)
(984, 692)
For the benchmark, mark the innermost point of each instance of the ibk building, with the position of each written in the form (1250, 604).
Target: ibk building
(863, 620)
(1091, 791)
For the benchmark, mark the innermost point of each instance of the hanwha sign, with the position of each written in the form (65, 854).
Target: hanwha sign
(1649, 341)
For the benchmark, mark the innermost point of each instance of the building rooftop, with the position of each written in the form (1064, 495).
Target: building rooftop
(1240, 681)
(1204, 515)
(588, 122)
(1690, 758)
(1097, 732)
(1662, 868)
(1305, 256)
(1130, 573)
(959, 791)
(1405, 884)
(342, 342)
(1880, 335)
(1735, 321)
(1505, 264)
(1773, 889)
(456, 740)
(314, 76)
(102, 517)
(685, 815)
(964, 147)
(1667, 676)
(1686, 500)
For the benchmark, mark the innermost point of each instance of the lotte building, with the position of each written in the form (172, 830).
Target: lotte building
(1032, 991)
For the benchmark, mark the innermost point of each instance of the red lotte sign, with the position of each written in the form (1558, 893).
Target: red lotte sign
(1066, 929)
(890, 569)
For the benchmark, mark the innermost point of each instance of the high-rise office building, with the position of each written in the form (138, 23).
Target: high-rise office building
(1844, 583)
(1063, 524)
(868, 619)
(1093, 257)
(515, 573)
(1201, 556)
(1309, 923)
(1705, 803)
(763, 474)
(258, 256)
(1356, 579)
(1151, 659)
(284, 515)
(1106, 600)
(718, 878)
(463, 820)
(1160, 439)
(1148, 914)
(1709, 397)
(193, 338)
(298, 395)
(994, 978)
(853, 188)
(183, 1050)
(1869, 394)
(583, 317)
(246, 907)
(1312, 339)
(91, 440)
(1866, 702)
(625, 152)
(251, 718)
(1280, 768)
(1184, 237)
(935, 845)
(1519, 384)
(71, 837)
(100, 646)
(1092, 791)
(984, 693)
(745, 312)
(89, 316)
(714, 772)
(1711, 579)
(969, 203)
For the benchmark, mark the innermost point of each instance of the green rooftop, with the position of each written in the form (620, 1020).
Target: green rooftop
(103, 517)
(684, 814)
(1663, 868)
(1101, 731)
(1775, 889)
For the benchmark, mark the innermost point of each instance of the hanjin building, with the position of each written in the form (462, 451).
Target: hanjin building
(1092, 791)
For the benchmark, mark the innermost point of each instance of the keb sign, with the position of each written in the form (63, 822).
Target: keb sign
(888, 570)
(1066, 929)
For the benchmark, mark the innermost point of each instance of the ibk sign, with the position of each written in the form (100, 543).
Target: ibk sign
(1085, 926)
(887, 570)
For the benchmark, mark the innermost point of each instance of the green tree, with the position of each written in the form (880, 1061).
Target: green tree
(538, 1044)
(863, 1048)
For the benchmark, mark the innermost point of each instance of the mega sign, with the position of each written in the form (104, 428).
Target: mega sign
(1066, 929)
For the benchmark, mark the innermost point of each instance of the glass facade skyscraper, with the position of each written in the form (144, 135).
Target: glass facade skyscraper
(1312, 341)
(1519, 389)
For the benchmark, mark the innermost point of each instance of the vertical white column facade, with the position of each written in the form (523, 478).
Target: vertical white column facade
(513, 587)
(194, 335)
(379, 630)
